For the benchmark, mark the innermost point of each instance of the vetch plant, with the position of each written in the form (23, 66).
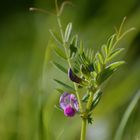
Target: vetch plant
(86, 69)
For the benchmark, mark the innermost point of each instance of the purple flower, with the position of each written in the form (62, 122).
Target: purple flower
(69, 111)
(69, 104)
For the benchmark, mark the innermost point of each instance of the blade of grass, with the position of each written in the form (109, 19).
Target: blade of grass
(126, 116)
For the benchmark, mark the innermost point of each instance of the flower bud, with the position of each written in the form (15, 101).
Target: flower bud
(74, 77)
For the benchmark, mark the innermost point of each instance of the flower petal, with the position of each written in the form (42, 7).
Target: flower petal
(64, 100)
(74, 102)
(69, 111)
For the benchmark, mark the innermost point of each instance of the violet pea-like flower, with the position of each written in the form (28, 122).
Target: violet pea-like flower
(69, 104)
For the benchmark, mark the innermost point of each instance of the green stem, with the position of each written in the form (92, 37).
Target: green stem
(68, 60)
(84, 121)
(83, 129)
(89, 103)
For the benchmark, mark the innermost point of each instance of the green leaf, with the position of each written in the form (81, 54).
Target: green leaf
(108, 71)
(73, 50)
(58, 108)
(60, 90)
(104, 51)
(81, 50)
(115, 65)
(99, 57)
(73, 46)
(56, 37)
(84, 59)
(60, 67)
(90, 119)
(75, 40)
(78, 60)
(85, 97)
(97, 66)
(63, 84)
(68, 32)
(111, 41)
(76, 69)
(60, 52)
(89, 54)
(96, 100)
(94, 74)
(84, 70)
(126, 32)
(115, 53)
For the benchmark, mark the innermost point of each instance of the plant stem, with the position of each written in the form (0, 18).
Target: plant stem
(89, 103)
(83, 129)
(90, 100)
(68, 60)
(84, 121)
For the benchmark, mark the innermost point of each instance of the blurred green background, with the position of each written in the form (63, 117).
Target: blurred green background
(27, 89)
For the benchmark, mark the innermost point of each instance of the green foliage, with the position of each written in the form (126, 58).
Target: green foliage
(68, 32)
(114, 53)
(108, 71)
(27, 101)
(85, 97)
(104, 51)
(90, 119)
(99, 57)
(60, 90)
(60, 52)
(56, 37)
(73, 46)
(73, 50)
(111, 41)
(60, 67)
(58, 108)
(97, 66)
(96, 100)
(93, 69)
(64, 85)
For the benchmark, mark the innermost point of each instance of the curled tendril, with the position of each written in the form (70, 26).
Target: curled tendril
(59, 11)
(63, 5)
(42, 11)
